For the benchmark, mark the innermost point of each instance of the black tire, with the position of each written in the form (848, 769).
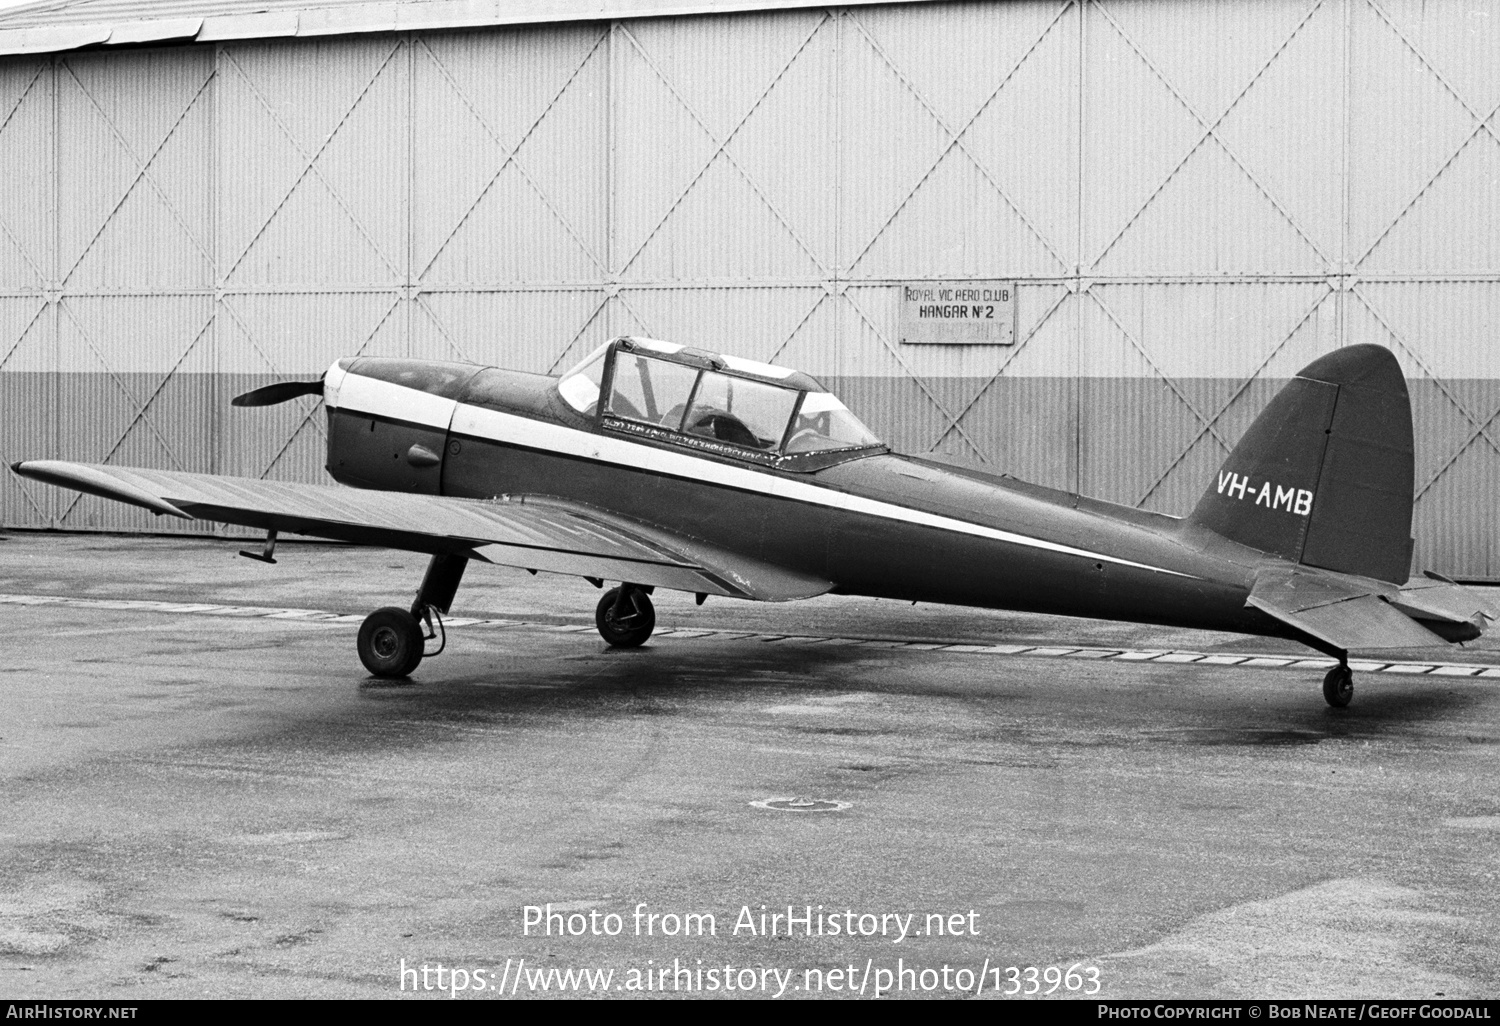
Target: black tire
(390, 642)
(630, 630)
(1338, 686)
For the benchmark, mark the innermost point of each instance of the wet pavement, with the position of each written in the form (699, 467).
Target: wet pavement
(202, 803)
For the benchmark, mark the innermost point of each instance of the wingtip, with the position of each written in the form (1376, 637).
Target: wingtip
(105, 482)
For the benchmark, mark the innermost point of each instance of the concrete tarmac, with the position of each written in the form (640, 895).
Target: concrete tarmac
(207, 805)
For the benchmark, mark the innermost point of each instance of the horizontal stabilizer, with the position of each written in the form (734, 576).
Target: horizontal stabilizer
(1437, 599)
(1344, 612)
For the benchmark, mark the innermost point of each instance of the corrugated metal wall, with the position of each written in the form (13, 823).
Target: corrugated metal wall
(1196, 199)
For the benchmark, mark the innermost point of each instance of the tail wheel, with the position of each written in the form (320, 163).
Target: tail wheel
(1338, 686)
(390, 642)
(627, 624)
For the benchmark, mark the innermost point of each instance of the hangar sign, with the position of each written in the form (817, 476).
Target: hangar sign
(975, 313)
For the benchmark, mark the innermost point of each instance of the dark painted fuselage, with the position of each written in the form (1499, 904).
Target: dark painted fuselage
(872, 522)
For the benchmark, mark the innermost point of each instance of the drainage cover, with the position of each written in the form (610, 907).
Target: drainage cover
(801, 804)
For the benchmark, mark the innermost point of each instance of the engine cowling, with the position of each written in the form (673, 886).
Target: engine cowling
(388, 421)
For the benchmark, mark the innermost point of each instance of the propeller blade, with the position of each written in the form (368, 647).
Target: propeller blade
(280, 392)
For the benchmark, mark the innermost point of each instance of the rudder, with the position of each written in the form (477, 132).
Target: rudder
(1325, 474)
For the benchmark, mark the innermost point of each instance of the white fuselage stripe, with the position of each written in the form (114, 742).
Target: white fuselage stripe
(389, 400)
(385, 399)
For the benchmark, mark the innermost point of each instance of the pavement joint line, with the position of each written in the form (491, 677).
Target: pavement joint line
(1173, 656)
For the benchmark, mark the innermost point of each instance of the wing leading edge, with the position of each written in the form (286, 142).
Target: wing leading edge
(529, 532)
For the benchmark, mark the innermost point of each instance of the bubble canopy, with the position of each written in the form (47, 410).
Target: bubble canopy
(673, 392)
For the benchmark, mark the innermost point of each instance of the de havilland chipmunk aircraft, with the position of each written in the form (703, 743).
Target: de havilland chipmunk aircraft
(662, 466)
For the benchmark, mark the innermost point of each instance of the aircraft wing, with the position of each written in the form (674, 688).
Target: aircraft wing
(530, 532)
(1359, 613)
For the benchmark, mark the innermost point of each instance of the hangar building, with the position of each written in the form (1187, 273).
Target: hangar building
(1173, 204)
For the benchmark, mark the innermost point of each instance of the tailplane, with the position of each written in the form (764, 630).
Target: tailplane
(1324, 476)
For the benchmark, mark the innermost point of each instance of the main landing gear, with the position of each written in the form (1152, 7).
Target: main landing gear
(391, 640)
(625, 616)
(1338, 685)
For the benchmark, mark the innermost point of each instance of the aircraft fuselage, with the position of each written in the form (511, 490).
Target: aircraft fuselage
(881, 524)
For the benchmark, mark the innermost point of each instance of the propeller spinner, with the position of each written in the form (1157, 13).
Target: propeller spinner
(280, 392)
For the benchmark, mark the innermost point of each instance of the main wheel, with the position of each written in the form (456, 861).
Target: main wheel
(633, 626)
(390, 642)
(1338, 686)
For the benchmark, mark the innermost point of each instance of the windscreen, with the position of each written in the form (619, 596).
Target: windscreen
(580, 386)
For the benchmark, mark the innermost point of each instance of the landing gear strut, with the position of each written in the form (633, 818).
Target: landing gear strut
(391, 640)
(1338, 685)
(625, 616)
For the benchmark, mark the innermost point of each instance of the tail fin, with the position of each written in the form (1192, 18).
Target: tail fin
(1324, 476)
